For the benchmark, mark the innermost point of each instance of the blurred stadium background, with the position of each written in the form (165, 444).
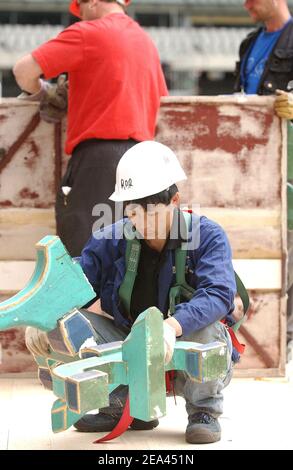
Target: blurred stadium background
(198, 40)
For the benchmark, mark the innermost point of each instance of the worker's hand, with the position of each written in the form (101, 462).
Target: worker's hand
(169, 341)
(53, 103)
(89, 343)
(284, 104)
(37, 342)
(52, 98)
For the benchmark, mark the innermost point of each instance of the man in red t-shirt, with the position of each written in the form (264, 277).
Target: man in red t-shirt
(115, 85)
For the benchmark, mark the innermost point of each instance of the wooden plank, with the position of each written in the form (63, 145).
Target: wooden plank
(262, 274)
(243, 219)
(253, 233)
(21, 229)
(258, 373)
(256, 274)
(14, 275)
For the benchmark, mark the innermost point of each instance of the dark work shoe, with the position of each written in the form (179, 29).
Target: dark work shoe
(103, 422)
(96, 423)
(202, 429)
(139, 425)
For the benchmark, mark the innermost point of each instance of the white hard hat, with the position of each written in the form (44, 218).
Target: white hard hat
(145, 169)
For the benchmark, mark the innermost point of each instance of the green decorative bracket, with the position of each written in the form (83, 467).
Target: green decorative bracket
(51, 301)
(137, 362)
(44, 300)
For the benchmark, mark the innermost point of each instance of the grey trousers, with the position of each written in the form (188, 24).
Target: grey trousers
(198, 396)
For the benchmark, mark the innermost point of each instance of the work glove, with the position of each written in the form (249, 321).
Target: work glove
(37, 342)
(284, 104)
(169, 341)
(52, 98)
(89, 343)
(53, 105)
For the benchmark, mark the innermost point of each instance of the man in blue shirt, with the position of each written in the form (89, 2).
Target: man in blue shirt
(146, 180)
(254, 65)
(265, 54)
(266, 68)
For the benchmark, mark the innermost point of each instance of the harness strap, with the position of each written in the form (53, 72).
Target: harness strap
(235, 342)
(126, 419)
(243, 294)
(181, 290)
(120, 428)
(132, 255)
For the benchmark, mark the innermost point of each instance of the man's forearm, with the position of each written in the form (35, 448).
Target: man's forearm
(30, 86)
(175, 325)
(27, 74)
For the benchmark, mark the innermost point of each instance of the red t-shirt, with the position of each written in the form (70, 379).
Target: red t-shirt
(115, 78)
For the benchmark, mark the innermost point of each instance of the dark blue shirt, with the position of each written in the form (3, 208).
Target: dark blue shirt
(252, 67)
(209, 270)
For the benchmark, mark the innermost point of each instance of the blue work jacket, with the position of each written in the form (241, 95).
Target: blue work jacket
(209, 271)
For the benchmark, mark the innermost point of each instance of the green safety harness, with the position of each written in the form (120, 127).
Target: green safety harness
(181, 291)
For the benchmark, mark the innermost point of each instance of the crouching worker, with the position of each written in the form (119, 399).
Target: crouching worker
(146, 180)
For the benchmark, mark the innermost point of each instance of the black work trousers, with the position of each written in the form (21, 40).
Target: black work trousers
(90, 173)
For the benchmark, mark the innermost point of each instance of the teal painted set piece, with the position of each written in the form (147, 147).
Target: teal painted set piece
(51, 302)
(57, 286)
(138, 362)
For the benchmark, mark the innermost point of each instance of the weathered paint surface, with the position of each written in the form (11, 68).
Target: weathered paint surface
(263, 350)
(231, 152)
(15, 357)
(28, 180)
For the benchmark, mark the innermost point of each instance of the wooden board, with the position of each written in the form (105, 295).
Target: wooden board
(264, 275)
(253, 233)
(21, 229)
(230, 150)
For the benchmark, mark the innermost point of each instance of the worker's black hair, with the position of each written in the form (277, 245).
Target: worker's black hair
(164, 197)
